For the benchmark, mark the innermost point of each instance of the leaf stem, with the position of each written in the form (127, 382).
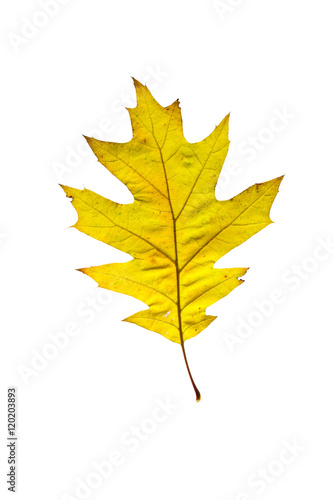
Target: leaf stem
(196, 390)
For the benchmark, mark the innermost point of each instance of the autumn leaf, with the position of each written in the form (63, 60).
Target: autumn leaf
(175, 229)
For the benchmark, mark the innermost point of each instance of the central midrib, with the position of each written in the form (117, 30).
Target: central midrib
(197, 392)
(175, 245)
(173, 222)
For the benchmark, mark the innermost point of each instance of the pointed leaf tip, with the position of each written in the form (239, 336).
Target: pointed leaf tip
(137, 84)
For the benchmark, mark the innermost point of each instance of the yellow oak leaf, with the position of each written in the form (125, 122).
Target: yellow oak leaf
(175, 229)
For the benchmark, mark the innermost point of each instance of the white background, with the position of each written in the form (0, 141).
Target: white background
(71, 76)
